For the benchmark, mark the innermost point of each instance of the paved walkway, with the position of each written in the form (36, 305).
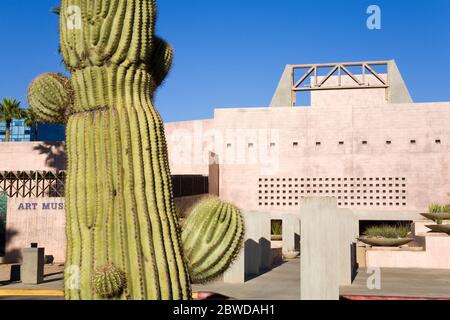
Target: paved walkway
(418, 283)
(283, 283)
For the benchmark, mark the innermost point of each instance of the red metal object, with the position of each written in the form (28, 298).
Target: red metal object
(209, 296)
(378, 298)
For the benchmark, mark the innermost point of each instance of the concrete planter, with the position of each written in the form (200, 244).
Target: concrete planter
(442, 228)
(291, 255)
(437, 216)
(384, 242)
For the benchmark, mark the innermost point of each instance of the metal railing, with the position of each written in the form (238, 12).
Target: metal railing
(303, 72)
(40, 184)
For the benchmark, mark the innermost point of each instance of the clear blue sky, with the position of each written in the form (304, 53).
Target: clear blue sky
(231, 53)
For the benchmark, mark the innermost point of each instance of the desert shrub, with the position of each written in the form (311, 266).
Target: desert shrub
(387, 231)
(277, 227)
(3, 209)
(436, 208)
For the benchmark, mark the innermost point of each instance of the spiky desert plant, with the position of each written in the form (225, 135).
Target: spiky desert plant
(212, 238)
(51, 97)
(400, 231)
(109, 281)
(438, 213)
(120, 207)
(435, 208)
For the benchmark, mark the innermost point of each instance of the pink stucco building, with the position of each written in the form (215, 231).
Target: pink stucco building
(362, 140)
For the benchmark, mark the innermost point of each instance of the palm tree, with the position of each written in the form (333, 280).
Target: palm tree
(9, 110)
(31, 120)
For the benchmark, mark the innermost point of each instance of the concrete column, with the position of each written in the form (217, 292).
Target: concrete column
(291, 232)
(262, 220)
(327, 236)
(32, 271)
(256, 252)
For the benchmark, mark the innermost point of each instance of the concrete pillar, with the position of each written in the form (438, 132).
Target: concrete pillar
(256, 253)
(262, 220)
(32, 271)
(214, 174)
(291, 232)
(236, 272)
(327, 235)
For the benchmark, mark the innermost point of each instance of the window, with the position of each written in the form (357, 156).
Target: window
(364, 142)
(341, 143)
(438, 141)
(388, 142)
(295, 144)
(318, 143)
(413, 141)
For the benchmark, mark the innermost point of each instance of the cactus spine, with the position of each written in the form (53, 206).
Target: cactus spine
(120, 206)
(109, 281)
(212, 238)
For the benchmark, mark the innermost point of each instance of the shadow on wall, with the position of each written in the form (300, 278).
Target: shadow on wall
(3, 211)
(12, 256)
(257, 260)
(56, 155)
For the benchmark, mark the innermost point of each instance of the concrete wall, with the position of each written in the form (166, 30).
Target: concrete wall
(29, 220)
(189, 144)
(27, 156)
(365, 172)
(280, 145)
(349, 97)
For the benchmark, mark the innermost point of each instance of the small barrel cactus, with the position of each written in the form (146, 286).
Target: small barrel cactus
(109, 281)
(50, 97)
(212, 238)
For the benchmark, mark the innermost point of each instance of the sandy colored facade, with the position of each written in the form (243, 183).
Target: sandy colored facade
(372, 148)
(368, 145)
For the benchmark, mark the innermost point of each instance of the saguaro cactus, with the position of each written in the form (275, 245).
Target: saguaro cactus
(123, 237)
(119, 208)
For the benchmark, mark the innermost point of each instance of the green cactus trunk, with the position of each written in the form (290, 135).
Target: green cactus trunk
(119, 201)
(123, 238)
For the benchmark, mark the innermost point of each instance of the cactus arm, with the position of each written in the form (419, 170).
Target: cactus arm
(51, 97)
(161, 60)
(212, 238)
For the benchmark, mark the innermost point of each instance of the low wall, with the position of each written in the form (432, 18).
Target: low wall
(39, 221)
(433, 252)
